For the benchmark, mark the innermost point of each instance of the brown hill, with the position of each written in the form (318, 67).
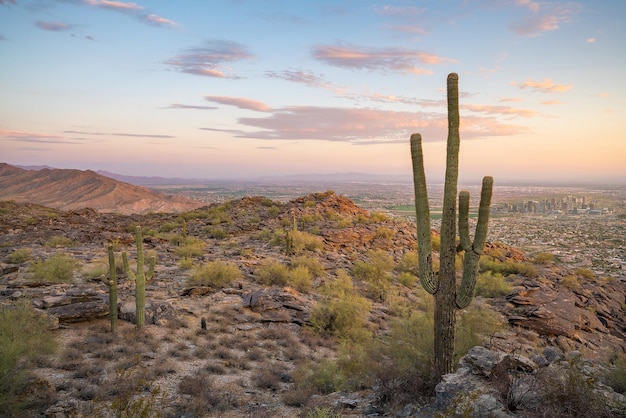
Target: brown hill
(76, 189)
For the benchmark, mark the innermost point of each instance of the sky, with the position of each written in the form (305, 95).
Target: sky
(238, 89)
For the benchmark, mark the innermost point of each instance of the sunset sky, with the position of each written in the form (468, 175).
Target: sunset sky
(246, 88)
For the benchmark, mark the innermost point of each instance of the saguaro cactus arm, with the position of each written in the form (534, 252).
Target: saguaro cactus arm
(111, 283)
(140, 277)
(422, 212)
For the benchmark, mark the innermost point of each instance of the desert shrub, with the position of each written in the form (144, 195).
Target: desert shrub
(344, 223)
(301, 278)
(186, 263)
(378, 217)
(169, 226)
(570, 392)
(543, 258)
(319, 412)
(59, 268)
(273, 211)
(313, 264)
(25, 336)
(342, 311)
(435, 242)
(491, 285)
(507, 267)
(407, 279)
(384, 232)
(216, 233)
(408, 263)
(216, 274)
(319, 376)
(571, 282)
(376, 271)
(584, 273)
(59, 241)
(20, 256)
(304, 241)
(273, 273)
(615, 376)
(474, 325)
(128, 399)
(192, 247)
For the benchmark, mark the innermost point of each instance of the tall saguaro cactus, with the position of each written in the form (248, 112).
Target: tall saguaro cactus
(443, 284)
(140, 278)
(111, 283)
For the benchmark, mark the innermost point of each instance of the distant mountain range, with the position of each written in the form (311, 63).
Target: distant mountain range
(75, 189)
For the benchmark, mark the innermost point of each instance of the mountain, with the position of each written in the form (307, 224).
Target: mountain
(75, 189)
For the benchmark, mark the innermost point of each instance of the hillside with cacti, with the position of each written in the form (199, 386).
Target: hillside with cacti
(306, 308)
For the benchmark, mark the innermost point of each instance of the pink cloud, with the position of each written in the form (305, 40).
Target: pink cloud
(209, 59)
(363, 126)
(30, 137)
(115, 5)
(545, 86)
(511, 99)
(500, 110)
(132, 9)
(240, 102)
(158, 20)
(304, 77)
(551, 102)
(532, 5)
(385, 60)
(52, 26)
(537, 23)
(184, 106)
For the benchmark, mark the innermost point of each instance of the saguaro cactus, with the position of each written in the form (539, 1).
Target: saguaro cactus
(140, 278)
(443, 284)
(111, 283)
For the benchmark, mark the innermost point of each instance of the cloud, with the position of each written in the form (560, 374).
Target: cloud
(417, 30)
(545, 86)
(132, 9)
(184, 106)
(119, 134)
(500, 110)
(304, 77)
(52, 26)
(384, 60)
(399, 11)
(2, 38)
(591, 40)
(210, 59)
(240, 102)
(30, 137)
(7, 2)
(551, 102)
(543, 21)
(511, 99)
(362, 126)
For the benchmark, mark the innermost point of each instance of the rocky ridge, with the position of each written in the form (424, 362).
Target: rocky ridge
(589, 319)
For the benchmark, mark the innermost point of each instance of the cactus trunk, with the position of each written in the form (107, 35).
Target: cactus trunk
(139, 278)
(443, 284)
(111, 283)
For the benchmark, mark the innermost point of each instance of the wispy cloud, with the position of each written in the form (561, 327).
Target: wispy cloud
(362, 126)
(415, 30)
(591, 40)
(551, 102)
(6, 2)
(2, 38)
(184, 106)
(544, 17)
(500, 110)
(132, 9)
(53, 26)
(119, 134)
(372, 59)
(545, 86)
(209, 60)
(30, 137)
(240, 102)
(511, 99)
(304, 77)
(403, 11)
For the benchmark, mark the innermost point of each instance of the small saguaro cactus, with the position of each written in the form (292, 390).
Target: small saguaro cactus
(140, 278)
(111, 282)
(443, 284)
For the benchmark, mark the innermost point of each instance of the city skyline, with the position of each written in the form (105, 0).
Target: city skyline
(241, 89)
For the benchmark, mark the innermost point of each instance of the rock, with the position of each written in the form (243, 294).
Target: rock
(277, 305)
(553, 354)
(81, 311)
(157, 313)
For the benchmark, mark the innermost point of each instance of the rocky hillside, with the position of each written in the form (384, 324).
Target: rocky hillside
(76, 189)
(263, 352)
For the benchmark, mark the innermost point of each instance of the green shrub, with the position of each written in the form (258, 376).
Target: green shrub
(24, 336)
(216, 274)
(543, 258)
(584, 273)
(435, 242)
(342, 311)
(319, 412)
(169, 226)
(185, 263)
(376, 272)
(378, 217)
(320, 376)
(58, 268)
(615, 377)
(492, 285)
(313, 264)
(20, 256)
(192, 248)
(384, 232)
(304, 241)
(216, 233)
(408, 263)
(571, 282)
(301, 279)
(506, 268)
(59, 241)
(273, 273)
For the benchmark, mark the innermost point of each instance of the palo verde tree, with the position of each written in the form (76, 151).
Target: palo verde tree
(139, 278)
(443, 284)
